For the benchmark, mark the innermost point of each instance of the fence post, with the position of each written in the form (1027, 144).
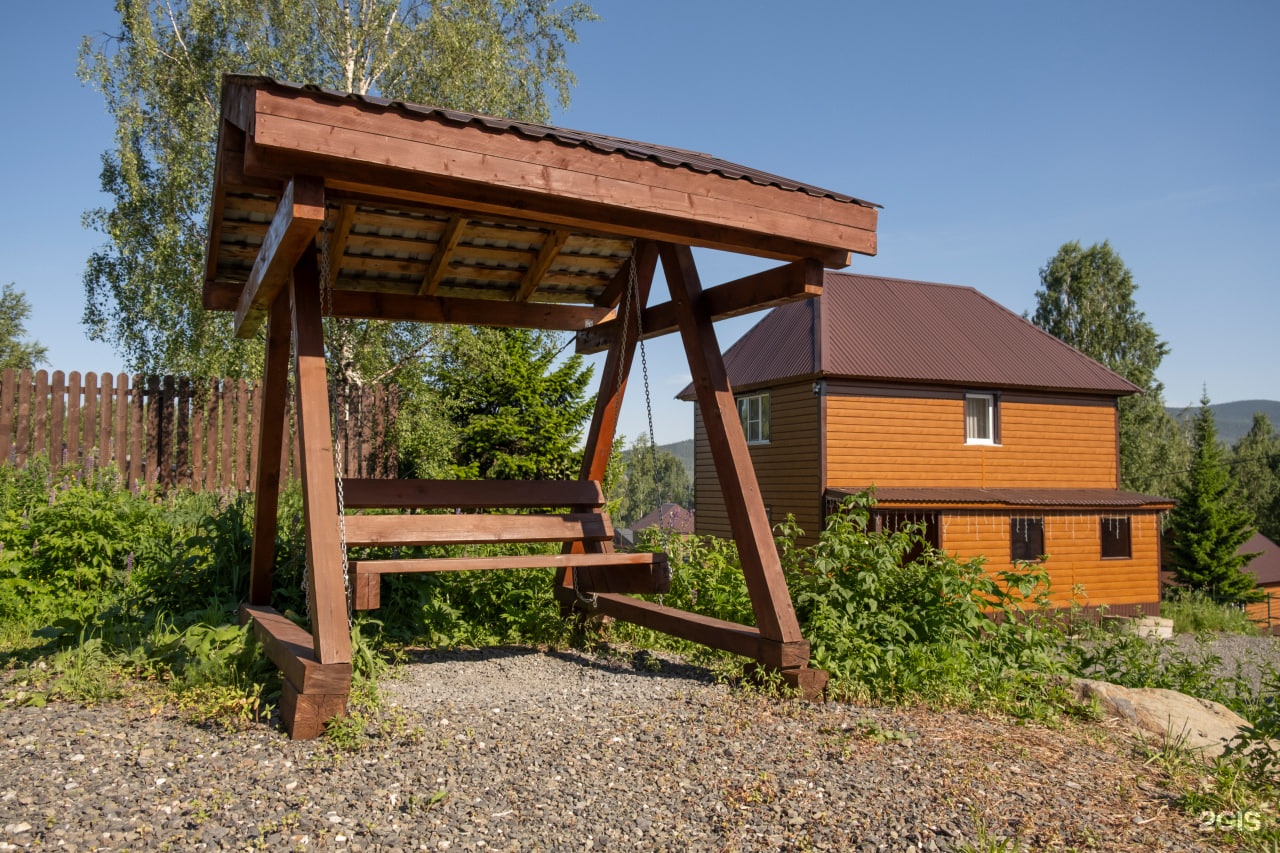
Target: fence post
(8, 388)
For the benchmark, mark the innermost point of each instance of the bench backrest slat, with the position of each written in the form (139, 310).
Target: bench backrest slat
(470, 494)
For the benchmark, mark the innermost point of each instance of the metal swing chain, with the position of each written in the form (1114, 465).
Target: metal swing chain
(663, 533)
(326, 310)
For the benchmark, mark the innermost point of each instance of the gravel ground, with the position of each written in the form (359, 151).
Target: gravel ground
(517, 749)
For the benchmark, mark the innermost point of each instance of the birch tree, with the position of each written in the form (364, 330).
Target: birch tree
(160, 76)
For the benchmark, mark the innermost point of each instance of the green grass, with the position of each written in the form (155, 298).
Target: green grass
(1193, 612)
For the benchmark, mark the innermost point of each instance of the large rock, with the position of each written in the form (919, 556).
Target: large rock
(1197, 724)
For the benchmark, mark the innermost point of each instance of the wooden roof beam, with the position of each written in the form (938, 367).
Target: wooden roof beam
(338, 241)
(440, 260)
(298, 217)
(465, 312)
(756, 292)
(546, 257)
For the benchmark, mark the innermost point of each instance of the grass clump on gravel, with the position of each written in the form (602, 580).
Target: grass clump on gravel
(1195, 612)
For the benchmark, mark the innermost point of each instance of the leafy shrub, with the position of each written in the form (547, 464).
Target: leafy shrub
(935, 628)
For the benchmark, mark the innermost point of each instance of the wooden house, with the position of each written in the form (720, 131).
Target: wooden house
(1265, 569)
(961, 414)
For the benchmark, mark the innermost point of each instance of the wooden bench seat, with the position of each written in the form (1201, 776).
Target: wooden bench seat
(640, 572)
(585, 528)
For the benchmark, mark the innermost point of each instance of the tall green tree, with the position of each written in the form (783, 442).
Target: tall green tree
(160, 74)
(517, 409)
(15, 350)
(1086, 299)
(651, 476)
(1210, 522)
(1255, 461)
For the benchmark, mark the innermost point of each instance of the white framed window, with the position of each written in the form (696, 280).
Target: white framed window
(980, 419)
(753, 411)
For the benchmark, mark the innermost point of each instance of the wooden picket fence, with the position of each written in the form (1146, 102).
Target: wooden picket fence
(171, 431)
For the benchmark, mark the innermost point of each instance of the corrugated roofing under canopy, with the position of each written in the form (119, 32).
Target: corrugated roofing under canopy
(416, 202)
(884, 329)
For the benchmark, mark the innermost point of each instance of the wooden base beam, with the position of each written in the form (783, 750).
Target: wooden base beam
(742, 640)
(314, 692)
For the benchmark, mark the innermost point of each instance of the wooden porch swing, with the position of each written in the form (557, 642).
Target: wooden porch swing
(349, 206)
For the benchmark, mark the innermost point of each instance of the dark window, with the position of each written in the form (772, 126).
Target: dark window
(1117, 541)
(1026, 539)
(891, 521)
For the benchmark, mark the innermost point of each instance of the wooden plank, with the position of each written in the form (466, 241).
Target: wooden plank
(299, 216)
(755, 292)
(23, 450)
(336, 141)
(526, 561)
(290, 648)
(474, 529)
(255, 442)
(106, 415)
(468, 312)
(197, 437)
(57, 396)
(71, 436)
(182, 433)
(546, 257)
(270, 415)
(137, 431)
(369, 493)
(227, 432)
(89, 416)
(120, 443)
(241, 479)
(368, 400)
(770, 600)
(326, 588)
(716, 633)
(212, 427)
(8, 393)
(168, 432)
(440, 258)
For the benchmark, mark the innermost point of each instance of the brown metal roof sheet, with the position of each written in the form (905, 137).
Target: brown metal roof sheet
(1024, 498)
(665, 155)
(1265, 568)
(888, 329)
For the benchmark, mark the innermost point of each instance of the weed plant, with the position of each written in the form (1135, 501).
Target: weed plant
(1195, 612)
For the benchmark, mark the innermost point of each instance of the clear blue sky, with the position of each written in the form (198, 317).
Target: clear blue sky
(991, 132)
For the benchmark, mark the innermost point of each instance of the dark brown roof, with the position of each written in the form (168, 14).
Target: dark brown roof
(887, 329)
(1265, 568)
(669, 516)
(1026, 498)
(667, 156)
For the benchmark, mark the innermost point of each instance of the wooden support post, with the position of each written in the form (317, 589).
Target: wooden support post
(770, 600)
(604, 420)
(326, 590)
(270, 417)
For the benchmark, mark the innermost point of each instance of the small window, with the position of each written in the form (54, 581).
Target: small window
(979, 419)
(1117, 541)
(1026, 539)
(754, 412)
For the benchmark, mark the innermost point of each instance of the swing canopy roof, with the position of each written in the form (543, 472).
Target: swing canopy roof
(438, 215)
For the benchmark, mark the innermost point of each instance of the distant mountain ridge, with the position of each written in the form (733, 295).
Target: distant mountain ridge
(1233, 419)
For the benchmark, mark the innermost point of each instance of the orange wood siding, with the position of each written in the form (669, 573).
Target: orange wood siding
(1073, 542)
(891, 439)
(1266, 613)
(787, 467)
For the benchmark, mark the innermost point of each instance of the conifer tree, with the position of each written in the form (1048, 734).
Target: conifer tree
(1210, 522)
(1256, 464)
